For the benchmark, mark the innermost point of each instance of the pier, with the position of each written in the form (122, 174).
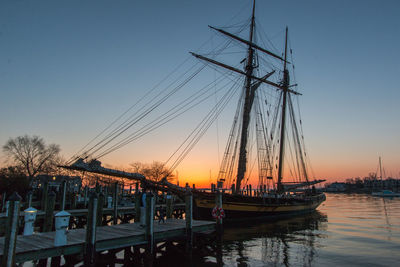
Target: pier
(97, 235)
(122, 236)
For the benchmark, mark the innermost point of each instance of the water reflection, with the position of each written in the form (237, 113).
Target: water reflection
(348, 230)
(281, 243)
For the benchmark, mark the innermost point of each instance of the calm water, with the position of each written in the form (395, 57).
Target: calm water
(347, 230)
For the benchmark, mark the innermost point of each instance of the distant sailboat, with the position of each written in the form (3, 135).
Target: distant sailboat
(384, 193)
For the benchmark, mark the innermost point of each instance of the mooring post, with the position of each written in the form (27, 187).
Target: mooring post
(64, 194)
(90, 248)
(169, 205)
(61, 226)
(48, 220)
(130, 190)
(3, 204)
(100, 206)
(10, 240)
(86, 196)
(44, 195)
(189, 221)
(250, 191)
(29, 218)
(150, 222)
(137, 206)
(115, 203)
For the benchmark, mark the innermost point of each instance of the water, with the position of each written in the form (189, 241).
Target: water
(347, 230)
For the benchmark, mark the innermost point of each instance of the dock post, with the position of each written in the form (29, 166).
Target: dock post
(48, 220)
(115, 203)
(90, 249)
(170, 209)
(64, 193)
(29, 218)
(85, 195)
(61, 225)
(10, 240)
(3, 200)
(44, 195)
(137, 206)
(250, 191)
(189, 221)
(100, 205)
(150, 222)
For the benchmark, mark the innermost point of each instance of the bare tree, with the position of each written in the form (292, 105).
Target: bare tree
(32, 154)
(154, 171)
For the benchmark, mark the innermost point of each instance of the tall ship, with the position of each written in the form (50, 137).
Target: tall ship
(265, 142)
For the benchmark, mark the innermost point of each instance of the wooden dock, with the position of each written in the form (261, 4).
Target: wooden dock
(41, 245)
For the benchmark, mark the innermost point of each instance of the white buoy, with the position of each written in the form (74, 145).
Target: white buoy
(109, 202)
(30, 217)
(62, 221)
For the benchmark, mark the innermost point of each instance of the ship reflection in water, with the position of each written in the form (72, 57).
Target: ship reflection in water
(347, 230)
(274, 244)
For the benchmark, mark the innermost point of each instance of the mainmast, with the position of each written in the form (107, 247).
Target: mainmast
(285, 87)
(248, 102)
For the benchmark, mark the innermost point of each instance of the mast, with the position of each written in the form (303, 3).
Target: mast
(248, 102)
(380, 168)
(285, 87)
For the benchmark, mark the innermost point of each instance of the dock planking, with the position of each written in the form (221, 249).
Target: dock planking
(41, 245)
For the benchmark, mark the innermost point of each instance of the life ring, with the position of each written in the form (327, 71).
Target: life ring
(218, 213)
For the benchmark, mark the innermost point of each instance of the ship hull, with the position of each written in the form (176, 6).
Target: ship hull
(245, 208)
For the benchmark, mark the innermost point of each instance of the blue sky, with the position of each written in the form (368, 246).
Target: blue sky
(68, 68)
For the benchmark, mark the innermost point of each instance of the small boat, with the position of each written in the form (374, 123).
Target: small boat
(384, 193)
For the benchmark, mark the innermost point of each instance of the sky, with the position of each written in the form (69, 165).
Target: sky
(69, 68)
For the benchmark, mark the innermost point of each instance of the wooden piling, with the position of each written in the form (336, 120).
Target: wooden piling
(150, 222)
(3, 204)
(64, 194)
(137, 206)
(100, 206)
(10, 240)
(48, 220)
(115, 203)
(85, 196)
(49, 216)
(44, 195)
(189, 220)
(90, 248)
(169, 203)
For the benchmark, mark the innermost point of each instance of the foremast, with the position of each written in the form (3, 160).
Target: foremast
(248, 102)
(285, 87)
